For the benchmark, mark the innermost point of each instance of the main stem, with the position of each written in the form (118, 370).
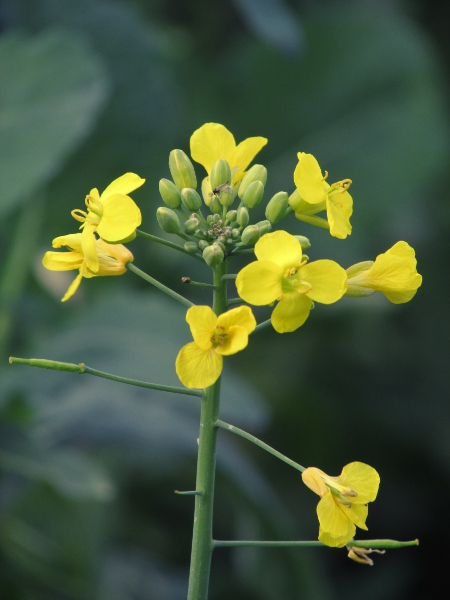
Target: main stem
(202, 539)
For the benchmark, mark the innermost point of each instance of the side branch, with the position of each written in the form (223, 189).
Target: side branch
(160, 286)
(158, 240)
(369, 544)
(82, 369)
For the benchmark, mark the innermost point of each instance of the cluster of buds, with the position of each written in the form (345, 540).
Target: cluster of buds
(226, 228)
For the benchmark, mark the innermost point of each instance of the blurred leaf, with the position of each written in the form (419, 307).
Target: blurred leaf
(51, 90)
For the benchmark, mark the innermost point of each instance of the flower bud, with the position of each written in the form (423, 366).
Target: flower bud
(220, 174)
(277, 206)
(213, 255)
(168, 220)
(191, 225)
(191, 199)
(169, 193)
(264, 227)
(214, 206)
(304, 242)
(206, 191)
(231, 216)
(202, 244)
(256, 173)
(182, 170)
(242, 216)
(226, 195)
(253, 194)
(191, 247)
(250, 235)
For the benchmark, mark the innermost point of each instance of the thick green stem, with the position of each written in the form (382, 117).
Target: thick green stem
(159, 285)
(202, 540)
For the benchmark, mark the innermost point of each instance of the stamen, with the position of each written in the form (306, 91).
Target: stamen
(306, 285)
(325, 176)
(79, 215)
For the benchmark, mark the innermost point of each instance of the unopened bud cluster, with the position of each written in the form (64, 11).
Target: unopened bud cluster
(226, 228)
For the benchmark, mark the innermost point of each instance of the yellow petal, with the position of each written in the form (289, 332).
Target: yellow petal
(211, 142)
(120, 253)
(237, 340)
(332, 519)
(340, 541)
(291, 312)
(89, 248)
(280, 248)
(241, 316)
(308, 179)
(72, 288)
(62, 261)
(357, 513)
(339, 211)
(400, 297)
(202, 322)
(198, 368)
(123, 185)
(259, 283)
(120, 218)
(72, 241)
(361, 478)
(312, 477)
(243, 155)
(395, 270)
(327, 278)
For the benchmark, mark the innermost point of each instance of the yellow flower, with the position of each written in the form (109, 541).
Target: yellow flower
(213, 141)
(314, 194)
(393, 273)
(343, 500)
(280, 273)
(112, 259)
(199, 364)
(113, 215)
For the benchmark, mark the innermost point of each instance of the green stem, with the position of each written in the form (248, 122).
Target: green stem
(262, 325)
(312, 220)
(234, 302)
(158, 240)
(257, 442)
(370, 544)
(230, 276)
(202, 541)
(189, 281)
(83, 369)
(160, 286)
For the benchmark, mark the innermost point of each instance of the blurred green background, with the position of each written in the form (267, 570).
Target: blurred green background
(90, 89)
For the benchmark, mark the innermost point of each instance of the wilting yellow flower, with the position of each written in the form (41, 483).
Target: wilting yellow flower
(394, 273)
(280, 273)
(343, 500)
(113, 215)
(199, 364)
(314, 194)
(213, 141)
(112, 259)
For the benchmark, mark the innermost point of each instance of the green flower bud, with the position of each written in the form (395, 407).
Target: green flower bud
(191, 199)
(214, 206)
(191, 247)
(242, 216)
(264, 227)
(277, 206)
(169, 193)
(256, 173)
(226, 195)
(168, 220)
(253, 194)
(182, 170)
(203, 244)
(250, 235)
(235, 234)
(220, 174)
(231, 216)
(191, 225)
(304, 242)
(210, 219)
(213, 255)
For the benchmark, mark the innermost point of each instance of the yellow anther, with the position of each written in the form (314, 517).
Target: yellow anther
(325, 176)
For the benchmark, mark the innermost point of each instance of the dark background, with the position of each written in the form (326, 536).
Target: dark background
(90, 89)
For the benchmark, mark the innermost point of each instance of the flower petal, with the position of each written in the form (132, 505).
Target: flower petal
(123, 185)
(202, 322)
(281, 248)
(62, 261)
(72, 288)
(243, 154)
(357, 513)
(308, 179)
(259, 283)
(236, 341)
(333, 520)
(361, 478)
(339, 211)
(72, 241)
(242, 316)
(291, 312)
(312, 477)
(120, 218)
(340, 541)
(327, 278)
(211, 142)
(198, 368)
(89, 248)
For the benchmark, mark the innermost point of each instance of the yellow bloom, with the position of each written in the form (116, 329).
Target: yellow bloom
(280, 273)
(314, 194)
(113, 215)
(199, 364)
(112, 259)
(393, 273)
(343, 500)
(213, 141)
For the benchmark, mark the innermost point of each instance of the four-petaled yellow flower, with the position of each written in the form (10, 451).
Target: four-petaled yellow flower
(343, 500)
(393, 273)
(113, 215)
(199, 364)
(280, 273)
(213, 141)
(314, 194)
(112, 259)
